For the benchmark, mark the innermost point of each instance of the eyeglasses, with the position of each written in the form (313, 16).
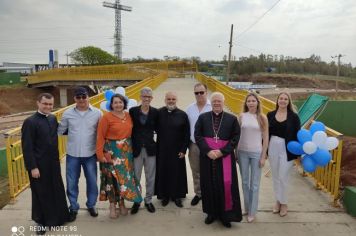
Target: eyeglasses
(200, 92)
(146, 96)
(81, 97)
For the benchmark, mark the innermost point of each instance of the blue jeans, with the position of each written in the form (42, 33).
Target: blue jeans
(73, 169)
(251, 176)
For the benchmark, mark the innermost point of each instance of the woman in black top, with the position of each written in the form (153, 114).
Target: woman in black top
(284, 125)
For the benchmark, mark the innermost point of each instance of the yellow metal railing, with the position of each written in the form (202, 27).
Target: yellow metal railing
(18, 176)
(326, 178)
(110, 72)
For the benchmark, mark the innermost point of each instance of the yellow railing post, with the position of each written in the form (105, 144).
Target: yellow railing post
(9, 165)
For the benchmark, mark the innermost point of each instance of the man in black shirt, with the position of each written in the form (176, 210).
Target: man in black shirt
(144, 118)
(40, 151)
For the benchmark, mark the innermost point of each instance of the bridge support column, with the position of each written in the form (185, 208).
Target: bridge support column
(63, 96)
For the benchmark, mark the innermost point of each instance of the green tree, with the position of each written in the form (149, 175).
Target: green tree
(91, 55)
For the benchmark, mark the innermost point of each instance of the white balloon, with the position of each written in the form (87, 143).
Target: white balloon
(319, 138)
(120, 90)
(331, 143)
(103, 106)
(131, 103)
(309, 147)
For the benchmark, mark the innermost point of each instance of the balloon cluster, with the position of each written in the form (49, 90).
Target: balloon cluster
(105, 105)
(314, 146)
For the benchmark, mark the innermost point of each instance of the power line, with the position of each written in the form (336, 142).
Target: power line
(258, 19)
(252, 49)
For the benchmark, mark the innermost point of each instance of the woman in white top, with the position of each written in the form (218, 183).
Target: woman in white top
(251, 151)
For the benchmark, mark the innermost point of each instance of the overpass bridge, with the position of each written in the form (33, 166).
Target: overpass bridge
(311, 211)
(98, 76)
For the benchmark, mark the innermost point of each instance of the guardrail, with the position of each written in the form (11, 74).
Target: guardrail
(110, 72)
(326, 178)
(18, 176)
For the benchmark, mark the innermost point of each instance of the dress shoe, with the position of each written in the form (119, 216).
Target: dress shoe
(93, 211)
(135, 207)
(165, 202)
(72, 215)
(178, 202)
(209, 219)
(195, 200)
(150, 207)
(226, 224)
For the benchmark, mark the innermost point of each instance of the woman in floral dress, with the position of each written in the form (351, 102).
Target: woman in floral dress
(114, 152)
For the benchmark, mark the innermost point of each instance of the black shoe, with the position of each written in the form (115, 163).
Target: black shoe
(195, 200)
(72, 215)
(41, 229)
(135, 207)
(209, 219)
(93, 212)
(178, 202)
(165, 202)
(150, 207)
(226, 224)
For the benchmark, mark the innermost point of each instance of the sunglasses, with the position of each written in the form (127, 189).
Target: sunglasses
(200, 92)
(81, 97)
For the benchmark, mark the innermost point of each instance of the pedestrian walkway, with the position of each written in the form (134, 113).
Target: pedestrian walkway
(310, 211)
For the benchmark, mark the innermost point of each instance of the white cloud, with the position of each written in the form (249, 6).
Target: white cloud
(178, 27)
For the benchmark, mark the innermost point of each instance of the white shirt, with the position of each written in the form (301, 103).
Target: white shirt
(251, 134)
(81, 127)
(193, 115)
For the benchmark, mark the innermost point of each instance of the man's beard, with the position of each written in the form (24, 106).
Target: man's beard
(171, 107)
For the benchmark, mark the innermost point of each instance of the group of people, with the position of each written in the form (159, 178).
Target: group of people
(124, 143)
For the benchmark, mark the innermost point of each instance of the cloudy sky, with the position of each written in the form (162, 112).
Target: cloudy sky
(184, 28)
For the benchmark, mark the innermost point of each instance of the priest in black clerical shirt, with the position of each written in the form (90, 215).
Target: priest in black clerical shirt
(217, 134)
(172, 139)
(40, 150)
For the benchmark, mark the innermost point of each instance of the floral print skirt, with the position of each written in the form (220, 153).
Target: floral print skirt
(117, 178)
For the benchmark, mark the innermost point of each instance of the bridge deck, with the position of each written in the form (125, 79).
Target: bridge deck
(310, 211)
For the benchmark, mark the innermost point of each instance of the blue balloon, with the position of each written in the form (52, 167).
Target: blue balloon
(108, 94)
(308, 164)
(108, 106)
(321, 157)
(317, 126)
(295, 148)
(303, 136)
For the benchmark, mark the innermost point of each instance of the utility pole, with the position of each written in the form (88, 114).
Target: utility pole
(67, 58)
(337, 72)
(229, 59)
(118, 35)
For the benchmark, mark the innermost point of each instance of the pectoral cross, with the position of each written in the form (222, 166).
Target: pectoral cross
(216, 138)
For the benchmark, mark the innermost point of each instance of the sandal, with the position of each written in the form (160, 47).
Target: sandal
(283, 211)
(250, 219)
(113, 214)
(123, 210)
(276, 208)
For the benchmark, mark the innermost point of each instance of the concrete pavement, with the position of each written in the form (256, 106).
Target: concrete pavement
(310, 211)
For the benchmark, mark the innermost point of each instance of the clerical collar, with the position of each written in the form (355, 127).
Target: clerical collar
(217, 114)
(171, 110)
(46, 115)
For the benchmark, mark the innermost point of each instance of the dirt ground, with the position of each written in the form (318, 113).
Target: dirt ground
(20, 99)
(295, 82)
(348, 163)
